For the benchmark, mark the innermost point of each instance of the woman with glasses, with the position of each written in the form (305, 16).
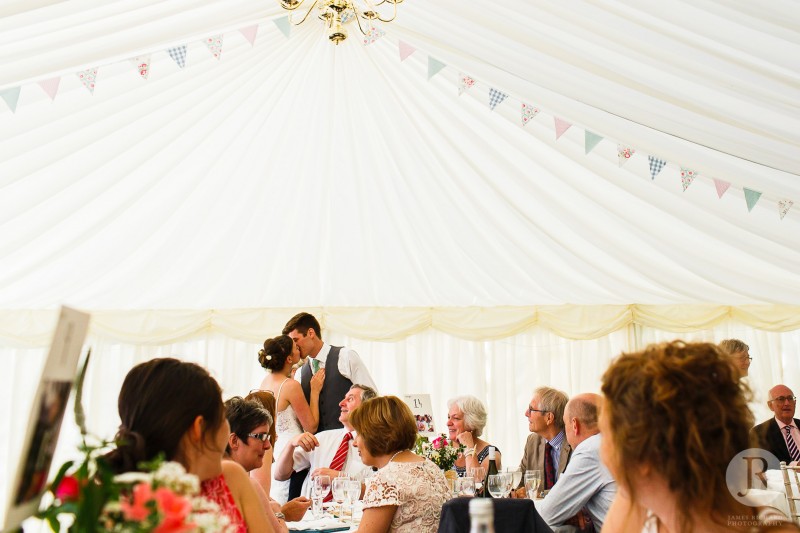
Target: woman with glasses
(674, 420)
(466, 418)
(294, 415)
(740, 354)
(170, 407)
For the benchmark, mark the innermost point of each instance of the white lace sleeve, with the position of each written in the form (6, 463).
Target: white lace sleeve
(381, 491)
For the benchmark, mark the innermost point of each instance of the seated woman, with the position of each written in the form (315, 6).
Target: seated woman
(673, 419)
(466, 418)
(263, 474)
(407, 492)
(294, 413)
(175, 408)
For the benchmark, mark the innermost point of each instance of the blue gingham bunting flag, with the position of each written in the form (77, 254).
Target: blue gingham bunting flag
(178, 54)
(656, 165)
(496, 97)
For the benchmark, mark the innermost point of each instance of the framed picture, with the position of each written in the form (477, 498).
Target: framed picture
(44, 423)
(420, 405)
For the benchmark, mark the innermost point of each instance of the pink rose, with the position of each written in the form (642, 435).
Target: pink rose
(68, 490)
(175, 509)
(137, 509)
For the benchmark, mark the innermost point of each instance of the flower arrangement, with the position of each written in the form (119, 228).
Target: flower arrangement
(89, 498)
(441, 452)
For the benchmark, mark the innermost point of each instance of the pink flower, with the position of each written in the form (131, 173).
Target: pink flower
(439, 443)
(174, 509)
(137, 510)
(68, 490)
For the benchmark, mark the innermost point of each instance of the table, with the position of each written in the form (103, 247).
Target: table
(509, 515)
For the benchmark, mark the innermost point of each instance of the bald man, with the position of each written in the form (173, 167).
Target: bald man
(774, 434)
(586, 484)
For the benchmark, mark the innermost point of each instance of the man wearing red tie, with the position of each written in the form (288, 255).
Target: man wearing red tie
(780, 435)
(328, 452)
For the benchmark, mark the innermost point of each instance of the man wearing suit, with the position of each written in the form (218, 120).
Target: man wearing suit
(780, 435)
(545, 415)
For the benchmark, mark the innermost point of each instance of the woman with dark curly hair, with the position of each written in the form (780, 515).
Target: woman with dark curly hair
(294, 414)
(673, 418)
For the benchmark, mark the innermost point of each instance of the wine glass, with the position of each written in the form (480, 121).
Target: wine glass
(516, 476)
(496, 485)
(507, 479)
(337, 489)
(320, 487)
(465, 486)
(478, 473)
(533, 483)
(352, 491)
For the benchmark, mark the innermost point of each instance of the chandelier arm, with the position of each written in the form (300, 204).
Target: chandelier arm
(307, 13)
(292, 7)
(394, 15)
(358, 21)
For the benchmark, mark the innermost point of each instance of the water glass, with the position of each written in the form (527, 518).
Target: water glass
(478, 473)
(496, 485)
(352, 492)
(465, 486)
(533, 483)
(507, 479)
(321, 486)
(337, 490)
(516, 476)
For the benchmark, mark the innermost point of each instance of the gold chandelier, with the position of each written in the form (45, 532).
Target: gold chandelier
(337, 13)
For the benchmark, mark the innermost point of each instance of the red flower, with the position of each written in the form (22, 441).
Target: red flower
(174, 509)
(68, 490)
(137, 510)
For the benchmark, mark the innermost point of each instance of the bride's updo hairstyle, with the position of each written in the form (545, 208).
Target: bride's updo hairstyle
(274, 353)
(158, 403)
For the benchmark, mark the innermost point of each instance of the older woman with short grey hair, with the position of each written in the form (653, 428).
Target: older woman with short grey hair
(466, 418)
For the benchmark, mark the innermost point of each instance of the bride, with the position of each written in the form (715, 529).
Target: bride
(294, 413)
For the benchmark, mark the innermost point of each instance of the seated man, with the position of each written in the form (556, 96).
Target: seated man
(586, 485)
(780, 435)
(248, 440)
(547, 448)
(329, 452)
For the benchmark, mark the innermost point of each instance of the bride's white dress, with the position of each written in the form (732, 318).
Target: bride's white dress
(286, 426)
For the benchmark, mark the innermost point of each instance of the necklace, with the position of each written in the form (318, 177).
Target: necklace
(392, 458)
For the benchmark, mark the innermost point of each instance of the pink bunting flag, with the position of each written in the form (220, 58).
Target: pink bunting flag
(373, 34)
(528, 112)
(721, 187)
(687, 177)
(784, 206)
(50, 86)
(405, 50)
(88, 78)
(142, 65)
(464, 83)
(624, 153)
(250, 33)
(214, 44)
(561, 126)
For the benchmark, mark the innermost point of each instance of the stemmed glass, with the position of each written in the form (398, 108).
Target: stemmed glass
(516, 476)
(465, 486)
(352, 491)
(533, 482)
(496, 485)
(508, 477)
(319, 489)
(337, 489)
(478, 473)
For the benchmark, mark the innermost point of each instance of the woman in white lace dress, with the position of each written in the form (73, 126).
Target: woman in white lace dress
(674, 417)
(407, 492)
(294, 414)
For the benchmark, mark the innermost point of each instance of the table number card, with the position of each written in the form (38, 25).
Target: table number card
(420, 405)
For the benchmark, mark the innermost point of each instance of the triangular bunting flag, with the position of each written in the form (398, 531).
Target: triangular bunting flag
(687, 177)
(50, 86)
(496, 97)
(528, 113)
(434, 66)
(751, 197)
(784, 206)
(590, 140)
(464, 83)
(721, 187)
(405, 50)
(561, 126)
(656, 165)
(11, 96)
(251, 31)
(624, 153)
(373, 34)
(142, 65)
(88, 78)
(214, 44)
(282, 23)
(178, 53)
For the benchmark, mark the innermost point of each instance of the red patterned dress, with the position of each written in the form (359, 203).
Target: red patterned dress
(217, 491)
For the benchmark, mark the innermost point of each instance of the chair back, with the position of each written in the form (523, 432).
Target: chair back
(792, 491)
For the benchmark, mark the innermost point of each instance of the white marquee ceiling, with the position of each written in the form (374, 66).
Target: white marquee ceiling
(295, 173)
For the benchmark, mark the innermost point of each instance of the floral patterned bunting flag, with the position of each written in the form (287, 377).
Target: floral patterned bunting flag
(373, 34)
(528, 112)
(687, 177)
(784, 206)
(464, 83)
(214, 44)
(624, 153)
(721, 187)
(142, 65)
(88, 78)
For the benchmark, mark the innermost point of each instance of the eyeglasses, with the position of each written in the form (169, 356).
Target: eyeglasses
(260, 436)
(532, 410)
(260, 390)
(745, 358)
(781, 399)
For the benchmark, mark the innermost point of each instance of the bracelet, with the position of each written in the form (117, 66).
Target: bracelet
(280, 516)
(469, 451)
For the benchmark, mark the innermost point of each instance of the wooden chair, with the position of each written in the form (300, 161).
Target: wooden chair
(791, 492)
